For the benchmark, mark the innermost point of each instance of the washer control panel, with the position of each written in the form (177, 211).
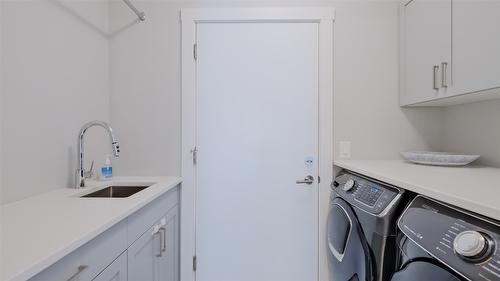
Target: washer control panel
(369, 195)
(465, 242)
(363, 193)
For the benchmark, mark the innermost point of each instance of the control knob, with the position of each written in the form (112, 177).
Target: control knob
(348, 185)
(470, 245)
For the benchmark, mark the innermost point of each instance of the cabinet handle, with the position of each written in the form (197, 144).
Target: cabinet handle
(154, 238)
(81, 268)
(436, 82)
(444, 78)
(163, 244)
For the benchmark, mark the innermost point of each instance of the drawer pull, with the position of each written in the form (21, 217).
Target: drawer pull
(81, 268)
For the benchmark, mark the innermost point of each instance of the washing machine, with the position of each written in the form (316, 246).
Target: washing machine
(361, 228)
(440, 242)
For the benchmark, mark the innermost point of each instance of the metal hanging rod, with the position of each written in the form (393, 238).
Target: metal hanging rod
(140, 15)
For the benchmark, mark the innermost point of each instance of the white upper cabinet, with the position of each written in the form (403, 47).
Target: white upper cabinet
(449, 51)
(476, 45)
(426, 48)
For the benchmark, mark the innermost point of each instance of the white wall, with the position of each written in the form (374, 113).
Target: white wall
(61, 48)
(55, 75)
(145, 87)
(146, 94)
(474, 128)
(366, 79)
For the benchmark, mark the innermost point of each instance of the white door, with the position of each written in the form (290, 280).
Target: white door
(256, 134)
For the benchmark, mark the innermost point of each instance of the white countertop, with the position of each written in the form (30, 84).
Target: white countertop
(40, 230)
(473, 188)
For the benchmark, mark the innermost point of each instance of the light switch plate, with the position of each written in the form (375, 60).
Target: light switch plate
(309, 162)
(345, 149)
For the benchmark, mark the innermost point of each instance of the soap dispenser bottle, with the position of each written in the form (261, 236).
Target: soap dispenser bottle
(107, 169)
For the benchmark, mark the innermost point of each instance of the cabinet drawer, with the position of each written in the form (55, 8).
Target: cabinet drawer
(85, 263)
(117, 271)
(62, 270)
(144, 218)
(100, 252)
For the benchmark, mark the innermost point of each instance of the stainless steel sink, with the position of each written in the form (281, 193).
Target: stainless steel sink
(115, 192)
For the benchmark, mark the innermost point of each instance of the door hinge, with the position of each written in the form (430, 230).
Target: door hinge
(195, 51)
(194, 151)
(195, 263)
(319, 179)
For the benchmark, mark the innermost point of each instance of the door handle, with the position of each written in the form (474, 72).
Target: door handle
(307, 180)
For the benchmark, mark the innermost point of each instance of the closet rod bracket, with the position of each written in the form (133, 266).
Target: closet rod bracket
(140, 15)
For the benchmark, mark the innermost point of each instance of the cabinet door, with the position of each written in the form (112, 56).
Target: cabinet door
(169, 261)
(143, 262)
(426, 44)
(116, 271)
(476, 45)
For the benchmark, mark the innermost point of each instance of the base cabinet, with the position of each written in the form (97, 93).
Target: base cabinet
(142, 247)
(143, 262)
(155, 255)
(169, 261)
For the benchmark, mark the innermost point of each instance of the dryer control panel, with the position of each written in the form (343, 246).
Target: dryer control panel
(369, 195)
(465, 242)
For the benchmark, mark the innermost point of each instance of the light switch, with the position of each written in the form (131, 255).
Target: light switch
(345, 149)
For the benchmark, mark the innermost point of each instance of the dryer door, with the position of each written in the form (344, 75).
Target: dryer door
(422, 270)
(348, 253)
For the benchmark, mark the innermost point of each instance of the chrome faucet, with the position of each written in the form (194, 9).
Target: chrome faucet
(81, 173)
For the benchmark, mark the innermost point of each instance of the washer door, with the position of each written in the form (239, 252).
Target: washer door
(348, 252)
(422, 270)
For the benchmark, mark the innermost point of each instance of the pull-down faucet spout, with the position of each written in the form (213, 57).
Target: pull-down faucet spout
(81, 173)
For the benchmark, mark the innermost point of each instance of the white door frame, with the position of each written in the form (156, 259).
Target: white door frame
(324, 16)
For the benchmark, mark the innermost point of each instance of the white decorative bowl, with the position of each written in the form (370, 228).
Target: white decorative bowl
(439, 158)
